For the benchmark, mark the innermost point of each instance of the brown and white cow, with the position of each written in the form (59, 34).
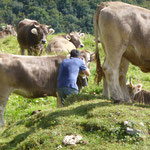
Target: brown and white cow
(138, 94)
(32, 35)
(124, 32)
(65, 43)
(30, 76)
(7, 30)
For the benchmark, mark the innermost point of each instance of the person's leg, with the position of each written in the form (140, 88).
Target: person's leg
(64, 92)
(62, 95)
(69, 91)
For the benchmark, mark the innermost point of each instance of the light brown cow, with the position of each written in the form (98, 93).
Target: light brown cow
(65, 43)
(7, 30)
(31, 35)
(124, 32)
(30, 76)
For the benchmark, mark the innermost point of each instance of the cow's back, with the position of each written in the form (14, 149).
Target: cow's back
(126, 24)
(60, 44)
(31, 76)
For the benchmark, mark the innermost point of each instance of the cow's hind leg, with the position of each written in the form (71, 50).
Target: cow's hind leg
(111, 70)
(122, 78)
(105, 88)
(4, 94)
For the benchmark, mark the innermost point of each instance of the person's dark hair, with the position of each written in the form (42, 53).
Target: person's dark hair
(75, 53)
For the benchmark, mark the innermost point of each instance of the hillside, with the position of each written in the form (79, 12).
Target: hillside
(100, 122)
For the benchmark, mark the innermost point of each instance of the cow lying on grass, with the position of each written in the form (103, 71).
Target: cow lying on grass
(137, 94)
(30, 76)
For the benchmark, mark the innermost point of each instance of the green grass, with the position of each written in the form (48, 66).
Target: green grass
(89, 114)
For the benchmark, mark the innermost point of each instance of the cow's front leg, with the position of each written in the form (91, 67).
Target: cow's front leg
(22, 51)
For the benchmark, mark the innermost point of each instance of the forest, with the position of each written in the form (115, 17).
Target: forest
(62, 15)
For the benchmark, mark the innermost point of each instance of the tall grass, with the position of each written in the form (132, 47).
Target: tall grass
(89, 114)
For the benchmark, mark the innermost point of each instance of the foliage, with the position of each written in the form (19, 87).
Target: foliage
(63, 15)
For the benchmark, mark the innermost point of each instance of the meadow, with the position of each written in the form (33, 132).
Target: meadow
(89, 114)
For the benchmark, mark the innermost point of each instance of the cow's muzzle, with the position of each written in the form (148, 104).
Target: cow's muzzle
(43, 41)
(81, 45)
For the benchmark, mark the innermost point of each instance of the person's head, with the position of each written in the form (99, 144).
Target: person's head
(75, 53)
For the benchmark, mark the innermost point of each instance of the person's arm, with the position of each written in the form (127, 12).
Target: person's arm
(86, 72)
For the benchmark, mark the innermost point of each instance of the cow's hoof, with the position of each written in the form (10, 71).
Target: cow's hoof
(117, 101)
(35, 112)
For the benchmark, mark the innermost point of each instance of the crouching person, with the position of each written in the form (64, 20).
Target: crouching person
(68, 73)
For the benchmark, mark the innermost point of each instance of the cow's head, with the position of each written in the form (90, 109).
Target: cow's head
(75, 38)
(9, 30)
(87, 57)
(133, 89)
(41, 31)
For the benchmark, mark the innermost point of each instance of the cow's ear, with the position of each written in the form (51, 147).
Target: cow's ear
(3, 27)
(138, 88)
(51, 31)
(34, 31)
(68, 37)
(82, 35)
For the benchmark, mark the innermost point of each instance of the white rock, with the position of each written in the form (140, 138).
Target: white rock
(71, 139)
(142, 124)
(126, 122)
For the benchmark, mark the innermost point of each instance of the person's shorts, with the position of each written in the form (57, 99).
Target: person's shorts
(64, 92)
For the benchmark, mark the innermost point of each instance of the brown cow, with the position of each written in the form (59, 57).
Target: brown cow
(65, 43)
(7, 30)
(31, 35)
(30, 76)
(123, 30)
(137, 94)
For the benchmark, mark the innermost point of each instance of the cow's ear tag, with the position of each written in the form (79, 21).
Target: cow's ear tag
(68, 37)
(34, 31)
(139, 87)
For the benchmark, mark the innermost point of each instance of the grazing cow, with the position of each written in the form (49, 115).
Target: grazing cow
(124, 32)
(30, 76)
(31, 35)
(65, 43)
(7, 30)
(137, 94)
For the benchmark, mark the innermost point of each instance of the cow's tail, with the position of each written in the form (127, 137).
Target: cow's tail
(99, 71)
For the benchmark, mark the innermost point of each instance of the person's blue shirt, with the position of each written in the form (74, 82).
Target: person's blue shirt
(68, 72)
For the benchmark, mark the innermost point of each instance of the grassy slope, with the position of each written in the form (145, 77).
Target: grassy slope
(98, 120)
